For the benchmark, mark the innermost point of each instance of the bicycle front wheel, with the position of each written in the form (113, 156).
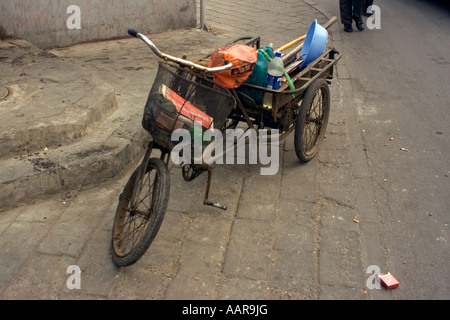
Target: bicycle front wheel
(138, 218)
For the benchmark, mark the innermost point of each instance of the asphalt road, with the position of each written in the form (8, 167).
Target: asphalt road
(400, 78)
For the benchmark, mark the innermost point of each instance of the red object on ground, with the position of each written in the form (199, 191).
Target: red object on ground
(388, 281)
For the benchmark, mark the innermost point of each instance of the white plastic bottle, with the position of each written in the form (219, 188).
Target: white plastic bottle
(275, 72)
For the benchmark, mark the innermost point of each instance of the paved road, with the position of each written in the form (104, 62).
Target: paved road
(399, 75)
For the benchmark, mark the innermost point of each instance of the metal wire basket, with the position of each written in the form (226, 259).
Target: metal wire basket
(180, 98)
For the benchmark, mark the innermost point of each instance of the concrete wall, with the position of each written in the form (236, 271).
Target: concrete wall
(45, 22)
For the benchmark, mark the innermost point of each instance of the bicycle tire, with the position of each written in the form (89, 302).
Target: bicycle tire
(312, 120)
(137, 221)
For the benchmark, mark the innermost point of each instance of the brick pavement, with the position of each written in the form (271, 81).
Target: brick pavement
(276, 22)
(288, 236)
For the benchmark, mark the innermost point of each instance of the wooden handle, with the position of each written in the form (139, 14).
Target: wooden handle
(290, 44)
(330, 22)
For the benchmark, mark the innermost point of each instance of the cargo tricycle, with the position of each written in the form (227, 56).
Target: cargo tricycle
(184, 96)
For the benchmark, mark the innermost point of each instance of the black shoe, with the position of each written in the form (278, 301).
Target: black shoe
(359, 23)
(348, 28)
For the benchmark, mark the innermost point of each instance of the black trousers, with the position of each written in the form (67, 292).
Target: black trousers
(367, 4)
(349, 9)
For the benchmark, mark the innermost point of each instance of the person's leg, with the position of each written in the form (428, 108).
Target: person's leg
(346, 11)
(367, 4)
(358, 6)
(345, 7)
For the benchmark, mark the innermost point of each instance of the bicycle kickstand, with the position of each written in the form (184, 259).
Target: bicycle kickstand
(206, 201)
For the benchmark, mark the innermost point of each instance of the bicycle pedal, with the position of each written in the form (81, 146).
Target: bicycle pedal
(215, 205)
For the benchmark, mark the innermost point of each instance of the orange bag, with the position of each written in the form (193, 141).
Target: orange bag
(244, 60)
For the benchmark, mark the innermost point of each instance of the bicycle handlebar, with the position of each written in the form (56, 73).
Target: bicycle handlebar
(182, 62)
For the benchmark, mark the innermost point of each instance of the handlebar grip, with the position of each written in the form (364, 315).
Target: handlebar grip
(132, 33)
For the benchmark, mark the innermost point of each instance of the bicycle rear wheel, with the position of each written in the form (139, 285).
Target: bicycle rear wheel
(312, 120)
(138, 218)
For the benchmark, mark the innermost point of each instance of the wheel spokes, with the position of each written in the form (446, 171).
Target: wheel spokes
(314, 120)
(132, 232)
(137, 217)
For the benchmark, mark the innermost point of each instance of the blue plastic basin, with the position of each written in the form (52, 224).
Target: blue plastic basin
(315, 43)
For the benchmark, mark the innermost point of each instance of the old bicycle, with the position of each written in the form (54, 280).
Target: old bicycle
(183, 95)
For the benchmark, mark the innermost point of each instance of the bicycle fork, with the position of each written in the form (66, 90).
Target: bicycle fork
(141, 171)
